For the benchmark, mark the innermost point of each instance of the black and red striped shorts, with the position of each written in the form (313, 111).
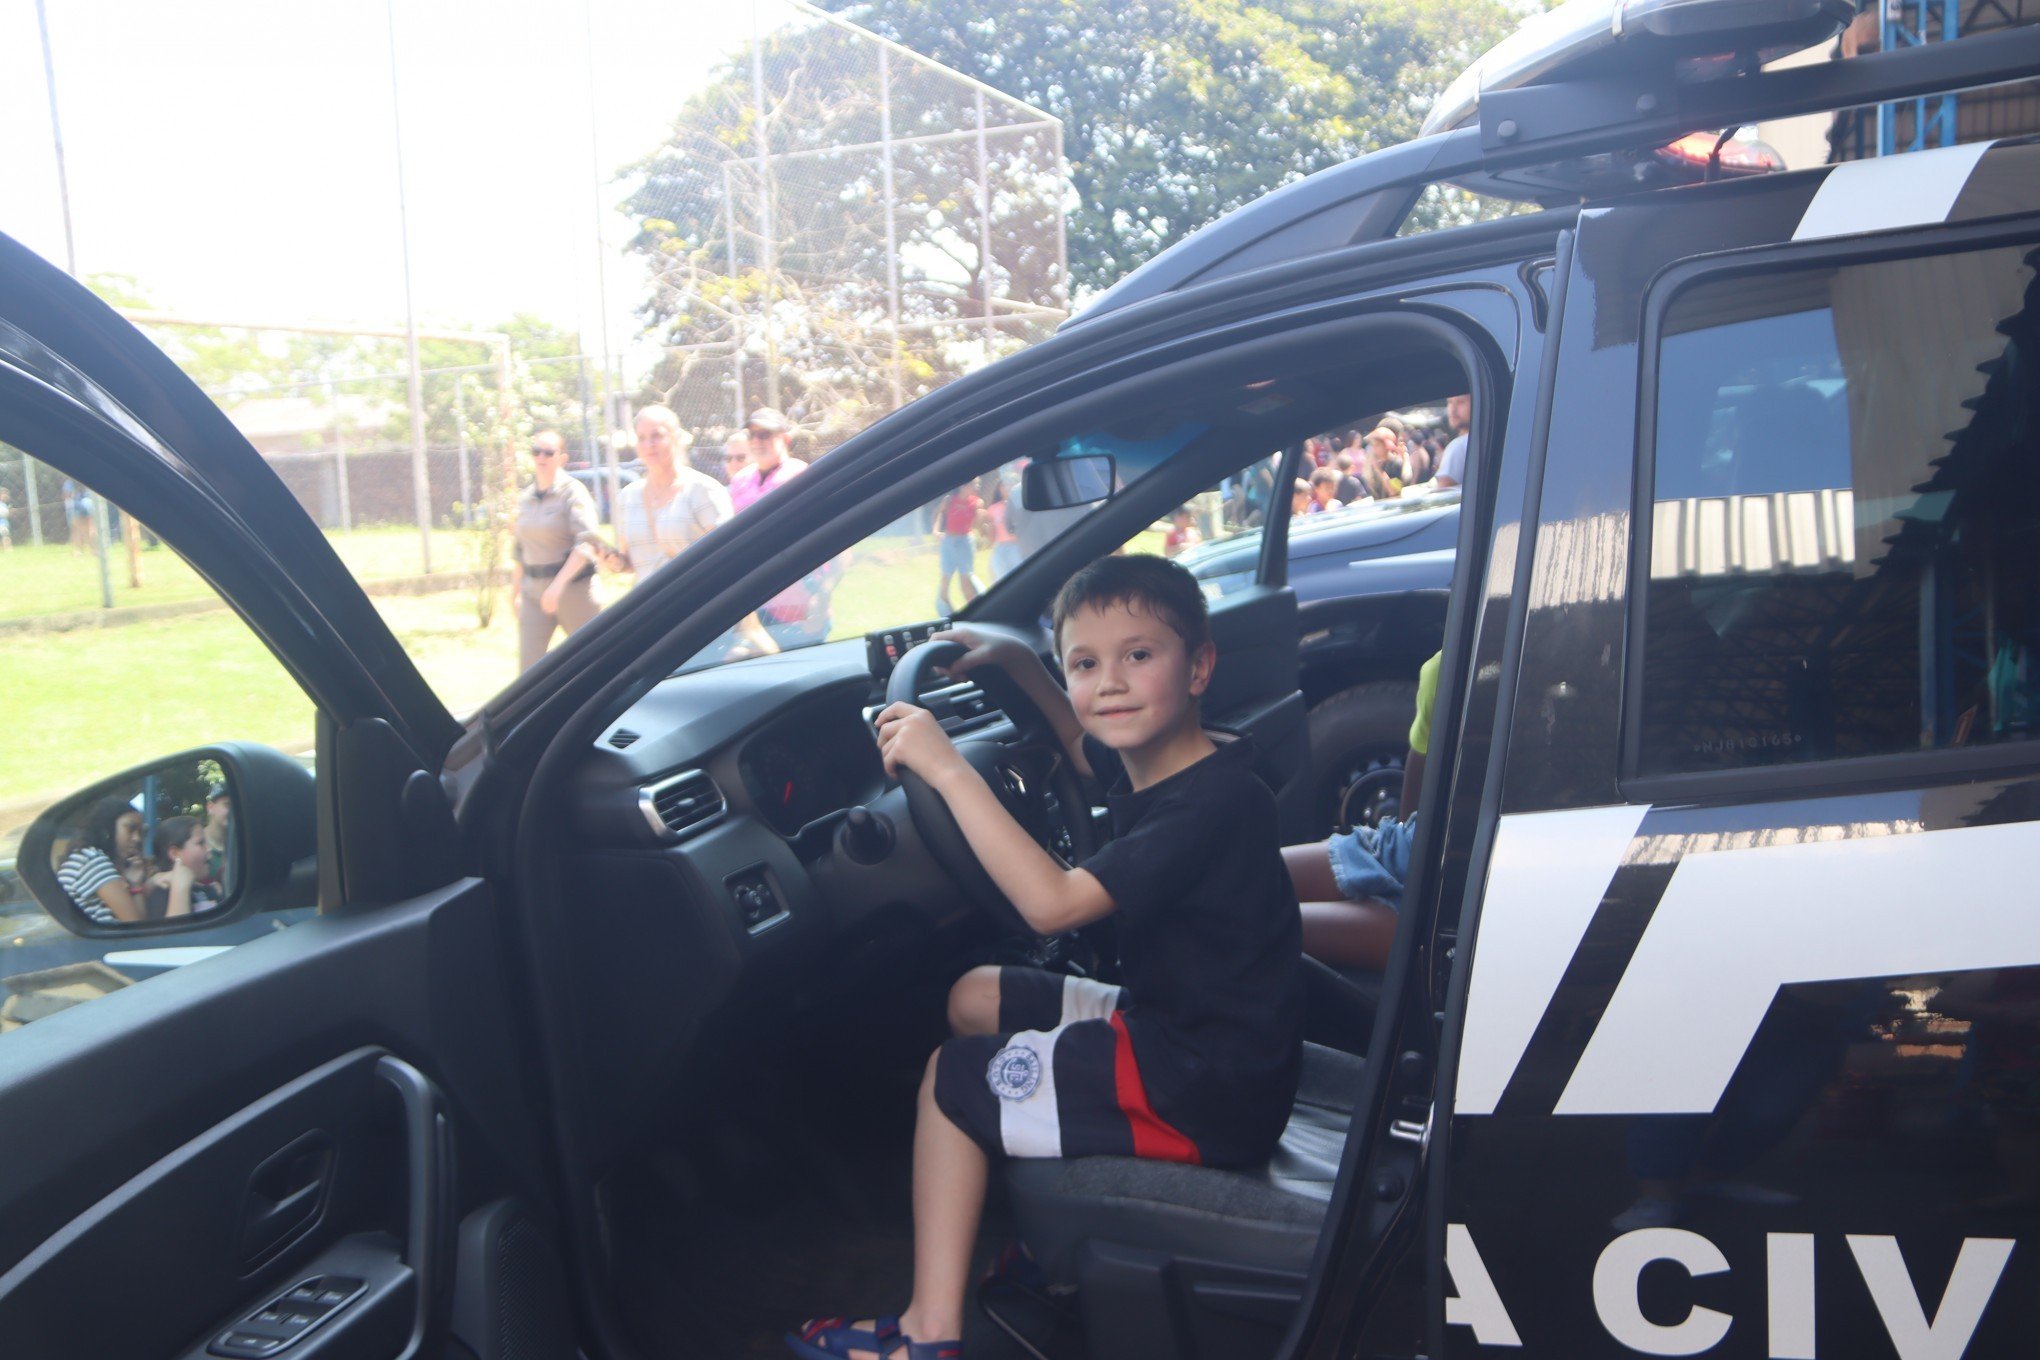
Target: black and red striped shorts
(1059, 1080)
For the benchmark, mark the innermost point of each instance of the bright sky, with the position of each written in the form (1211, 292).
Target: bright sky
(238, 156)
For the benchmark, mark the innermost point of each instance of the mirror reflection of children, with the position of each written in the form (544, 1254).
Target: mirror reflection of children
(1195, 1059)
(105, 874)
(177, 887)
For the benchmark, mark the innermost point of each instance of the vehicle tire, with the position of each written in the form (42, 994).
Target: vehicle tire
(1359, 739)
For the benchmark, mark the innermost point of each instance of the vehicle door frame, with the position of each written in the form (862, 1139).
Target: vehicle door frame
(1385, 1224)
(904, 461)
(148, 437)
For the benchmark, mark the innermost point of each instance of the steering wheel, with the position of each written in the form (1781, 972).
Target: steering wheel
(1033, 780)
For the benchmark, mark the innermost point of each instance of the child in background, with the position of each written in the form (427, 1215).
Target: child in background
(959, 521)
(176, 888)
(1182, 532)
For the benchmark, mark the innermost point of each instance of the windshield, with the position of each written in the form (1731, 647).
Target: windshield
(931, 563)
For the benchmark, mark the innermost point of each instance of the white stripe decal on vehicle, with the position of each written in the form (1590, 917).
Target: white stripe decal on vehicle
(1912, 190)
(1546, 877)
(1734, 926)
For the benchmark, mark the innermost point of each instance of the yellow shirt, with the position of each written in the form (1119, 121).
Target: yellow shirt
(1427, 699)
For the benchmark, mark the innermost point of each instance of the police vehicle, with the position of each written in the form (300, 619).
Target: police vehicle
(1713, 1021)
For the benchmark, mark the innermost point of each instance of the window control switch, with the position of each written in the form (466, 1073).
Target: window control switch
(282, 1321)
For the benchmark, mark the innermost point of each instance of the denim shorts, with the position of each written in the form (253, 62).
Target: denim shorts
(1373, 861)
(959, 552)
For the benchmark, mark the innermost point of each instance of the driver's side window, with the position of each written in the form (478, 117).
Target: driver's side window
(115, 655)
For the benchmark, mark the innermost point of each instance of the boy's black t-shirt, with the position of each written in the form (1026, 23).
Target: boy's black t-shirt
(1211, 946)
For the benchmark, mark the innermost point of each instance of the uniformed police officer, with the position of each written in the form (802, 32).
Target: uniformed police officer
(555, 551)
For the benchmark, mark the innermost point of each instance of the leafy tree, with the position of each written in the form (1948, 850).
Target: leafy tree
(823, 279)
(1174, 112)
(1177, 111)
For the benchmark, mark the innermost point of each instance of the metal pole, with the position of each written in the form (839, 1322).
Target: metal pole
(505, 479)
(1886, 113)
(1947, 114)
(984, 178)
(601, 265)
(1062, 225)
(340, 459)
(467, 503)
(42, 23)
(892, 237)
(764, 207)
(421, 484)
(736, 318)
(34, 500)
(100, 528)
(587, 422)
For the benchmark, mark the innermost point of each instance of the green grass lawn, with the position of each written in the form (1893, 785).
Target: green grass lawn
(54, 580)
(91, 702)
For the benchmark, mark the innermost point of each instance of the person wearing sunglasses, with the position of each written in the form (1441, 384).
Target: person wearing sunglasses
(555, 550)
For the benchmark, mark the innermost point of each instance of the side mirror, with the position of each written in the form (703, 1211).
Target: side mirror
(1059, 483)
(184, 843)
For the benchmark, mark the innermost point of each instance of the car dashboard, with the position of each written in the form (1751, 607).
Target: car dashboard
(708, 853)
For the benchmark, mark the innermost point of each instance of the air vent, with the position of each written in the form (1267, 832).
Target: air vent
(622, 737)
(681, 804)
(961, 708)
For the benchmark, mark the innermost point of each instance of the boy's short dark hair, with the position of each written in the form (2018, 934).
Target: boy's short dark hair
(1138, 581)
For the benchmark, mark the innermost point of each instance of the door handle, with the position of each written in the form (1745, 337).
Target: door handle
(285, 1197)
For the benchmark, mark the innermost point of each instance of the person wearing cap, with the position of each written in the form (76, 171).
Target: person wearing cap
(219, 830)
(769, 433)
(554, 551)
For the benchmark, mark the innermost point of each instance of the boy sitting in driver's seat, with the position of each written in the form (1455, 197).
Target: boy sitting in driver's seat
(1195, 1059)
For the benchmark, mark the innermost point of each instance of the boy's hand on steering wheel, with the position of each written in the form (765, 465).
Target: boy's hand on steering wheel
(986, 649)
(909, 738)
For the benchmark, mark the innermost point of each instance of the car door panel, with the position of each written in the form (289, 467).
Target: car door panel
(1255, 692)
(319, 1166)
(336, 1158)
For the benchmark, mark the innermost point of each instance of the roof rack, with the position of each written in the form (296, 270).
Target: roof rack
(1368, 199)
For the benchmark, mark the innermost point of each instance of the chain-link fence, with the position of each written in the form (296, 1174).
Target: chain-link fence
(817, 220)
(838, 225)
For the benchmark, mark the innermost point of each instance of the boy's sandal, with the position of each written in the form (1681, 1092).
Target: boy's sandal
(834, 1338)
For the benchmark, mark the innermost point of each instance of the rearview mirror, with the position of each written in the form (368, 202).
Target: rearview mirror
(1059, 483)
(185, 843)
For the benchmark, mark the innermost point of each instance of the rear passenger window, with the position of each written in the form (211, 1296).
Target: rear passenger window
(1844, 536)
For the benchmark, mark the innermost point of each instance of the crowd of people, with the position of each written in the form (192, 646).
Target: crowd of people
(1383, 461)
(687, 488)
(560, 544)
(119, 870)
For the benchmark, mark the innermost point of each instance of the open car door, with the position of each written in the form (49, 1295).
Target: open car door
(1258, 691)
(321, 1141)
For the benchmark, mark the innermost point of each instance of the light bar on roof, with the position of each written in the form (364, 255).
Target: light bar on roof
(1685, 39)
